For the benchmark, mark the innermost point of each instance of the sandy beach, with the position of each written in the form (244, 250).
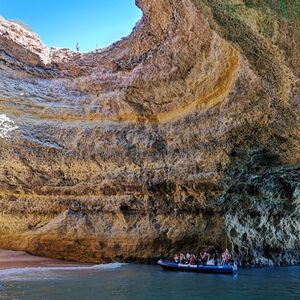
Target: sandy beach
(20, 259)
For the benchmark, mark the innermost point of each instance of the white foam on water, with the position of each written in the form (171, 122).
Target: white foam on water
(6, 126)
(49, 271)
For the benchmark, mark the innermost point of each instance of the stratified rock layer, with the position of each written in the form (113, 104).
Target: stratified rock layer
(182, 136)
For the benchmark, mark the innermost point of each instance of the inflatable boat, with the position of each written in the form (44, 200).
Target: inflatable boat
(173, 266)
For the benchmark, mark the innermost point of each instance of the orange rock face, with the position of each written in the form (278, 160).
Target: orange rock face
(183, 135)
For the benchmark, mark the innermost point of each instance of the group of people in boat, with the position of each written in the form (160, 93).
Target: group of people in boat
(205, 258)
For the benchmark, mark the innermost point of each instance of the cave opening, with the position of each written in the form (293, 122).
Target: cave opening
(92, 23)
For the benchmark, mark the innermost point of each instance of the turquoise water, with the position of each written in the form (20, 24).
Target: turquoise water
(127, 281)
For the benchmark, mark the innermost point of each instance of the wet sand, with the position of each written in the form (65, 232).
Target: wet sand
(21, 259)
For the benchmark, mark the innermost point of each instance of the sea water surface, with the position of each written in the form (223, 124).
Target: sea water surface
(146, 282)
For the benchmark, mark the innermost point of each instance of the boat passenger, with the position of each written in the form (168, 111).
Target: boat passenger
(192, 259)
(226, 257)
(187, 258)
(229, 258)
(217, 259)
(200, 258)
(176, 258)
(223, 257)
(204, 258)
(181, 258)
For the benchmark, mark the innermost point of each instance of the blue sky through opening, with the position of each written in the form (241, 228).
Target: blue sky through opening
(61, 23)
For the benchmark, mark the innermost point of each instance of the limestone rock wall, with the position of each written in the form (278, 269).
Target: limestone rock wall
(182, 136)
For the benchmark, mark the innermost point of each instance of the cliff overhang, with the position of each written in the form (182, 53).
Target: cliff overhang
(183, 135)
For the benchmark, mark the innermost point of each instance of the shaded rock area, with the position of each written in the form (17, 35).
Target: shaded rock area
(183, 136)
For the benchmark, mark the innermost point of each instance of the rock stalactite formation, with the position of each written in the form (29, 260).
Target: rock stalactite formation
(182, 136)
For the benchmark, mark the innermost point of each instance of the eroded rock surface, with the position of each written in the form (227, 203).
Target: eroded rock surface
(182, 136)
